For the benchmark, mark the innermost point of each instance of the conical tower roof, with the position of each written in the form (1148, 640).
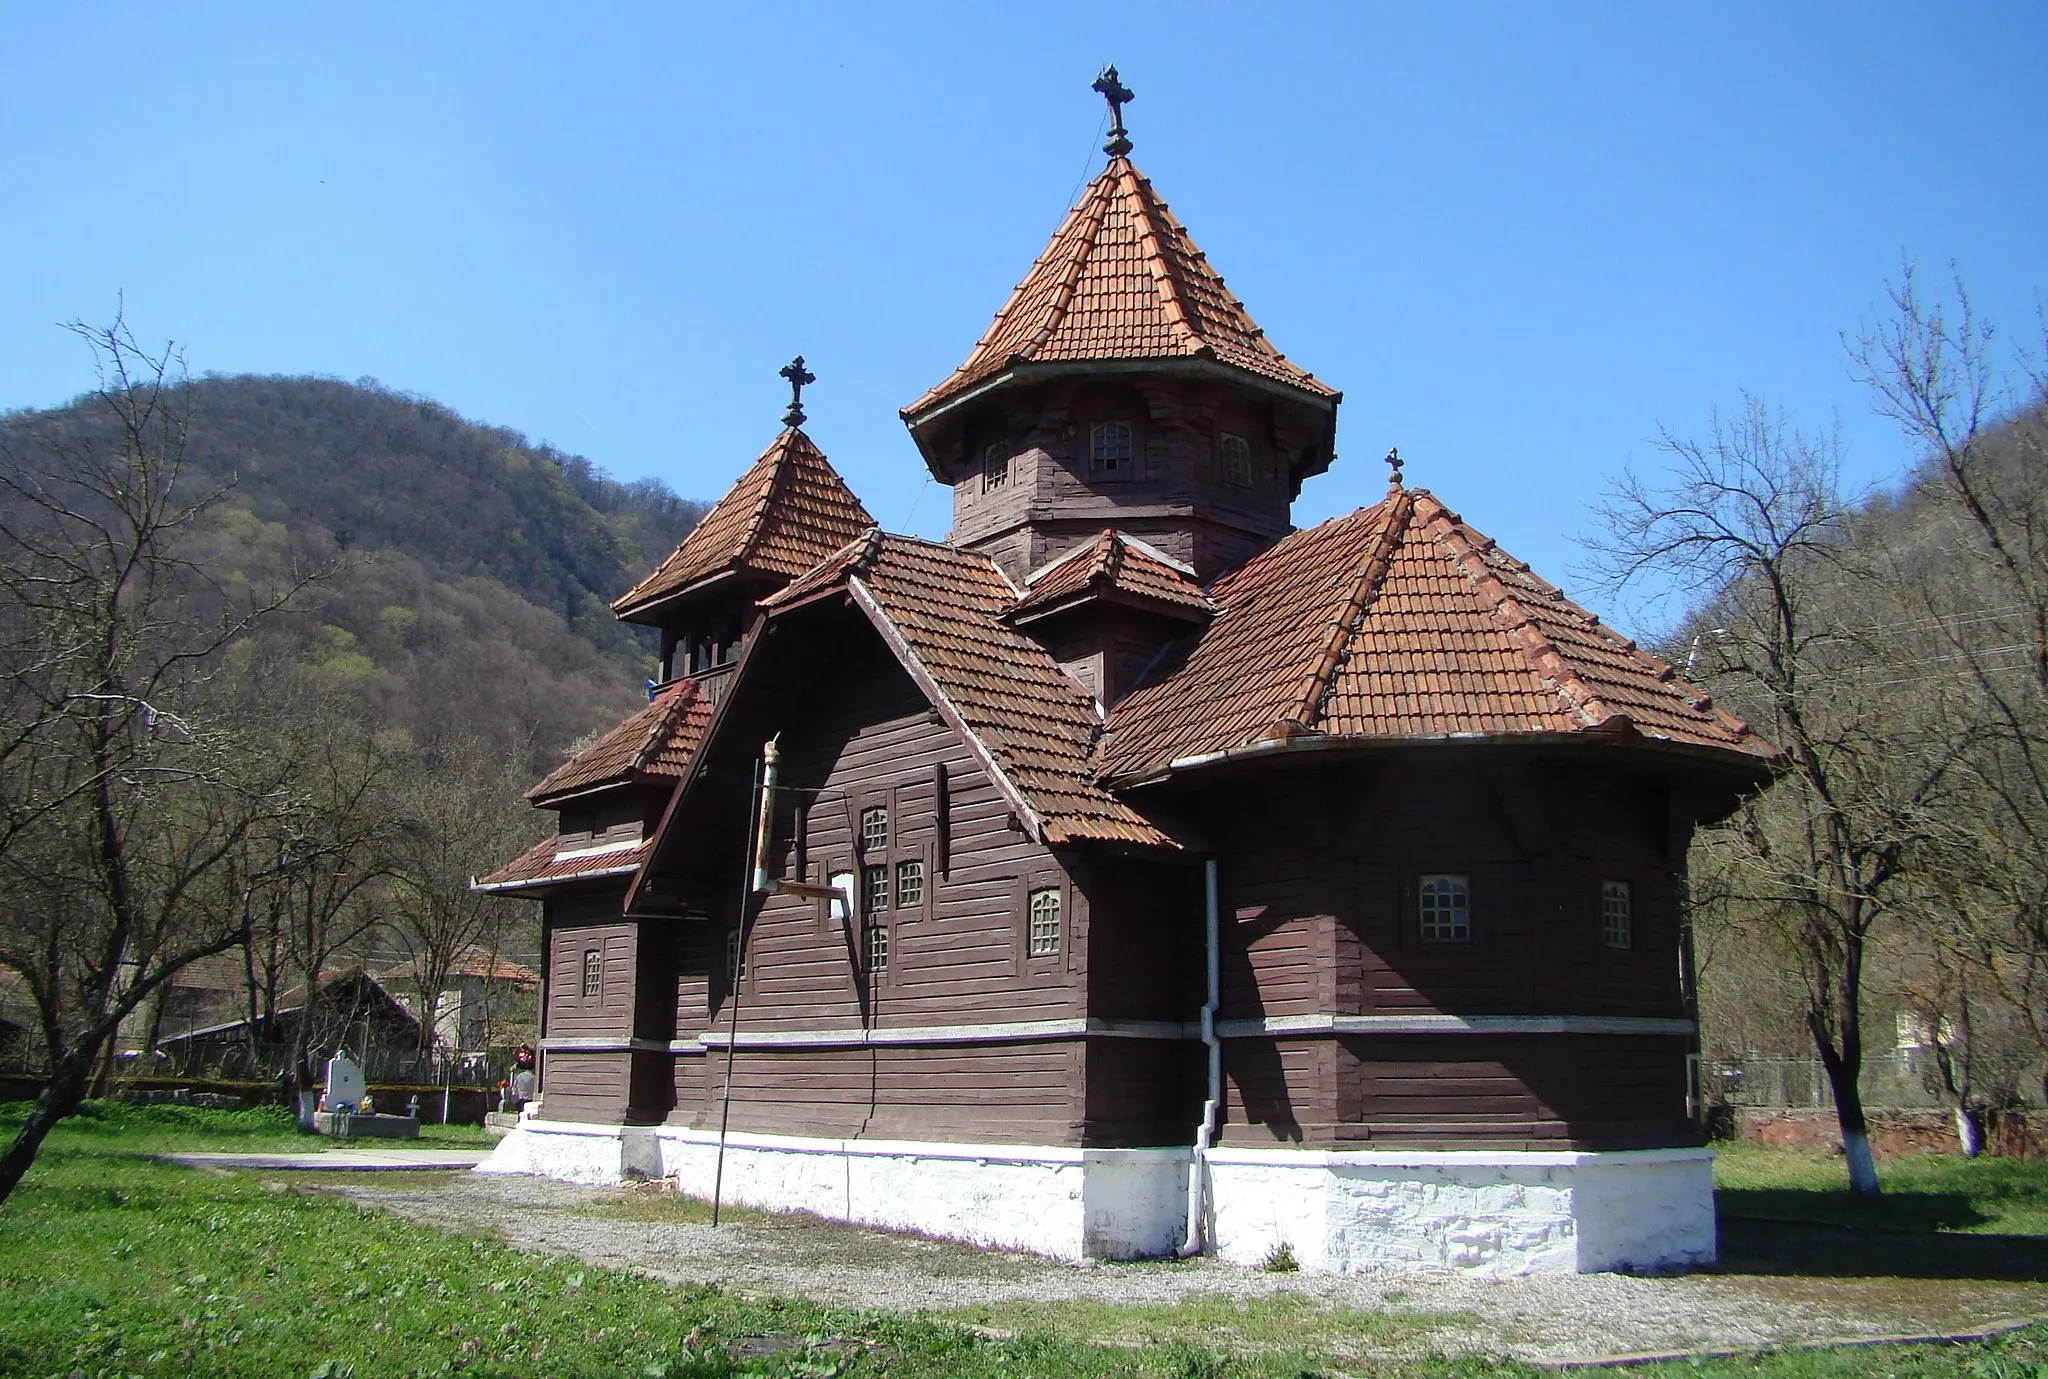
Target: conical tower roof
(1121, 281)
(786, 513)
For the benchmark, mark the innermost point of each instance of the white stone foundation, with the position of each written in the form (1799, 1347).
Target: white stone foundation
(1492, 1214)
(576, 1153)
(1067, 1203)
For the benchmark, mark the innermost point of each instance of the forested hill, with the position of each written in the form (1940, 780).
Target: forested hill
(477, 566)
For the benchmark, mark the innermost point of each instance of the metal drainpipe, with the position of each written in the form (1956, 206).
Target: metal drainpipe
(1205, 1133)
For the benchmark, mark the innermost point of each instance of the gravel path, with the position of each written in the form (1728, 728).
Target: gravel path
(1778, 1283)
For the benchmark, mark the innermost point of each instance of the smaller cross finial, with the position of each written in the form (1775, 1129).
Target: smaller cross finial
(797, 375)
(1393, 471)
(1118, 95)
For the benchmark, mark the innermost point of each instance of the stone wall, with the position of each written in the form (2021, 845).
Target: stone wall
(2012, 1134)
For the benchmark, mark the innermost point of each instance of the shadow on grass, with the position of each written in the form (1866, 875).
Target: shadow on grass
(1910, 1209)
(1762, 1244)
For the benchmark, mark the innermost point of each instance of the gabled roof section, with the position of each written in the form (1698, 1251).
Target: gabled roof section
(654, 741)
(941, 610)
(1401, 622)
(1119, 569)
(785, 514)
(1121, 280)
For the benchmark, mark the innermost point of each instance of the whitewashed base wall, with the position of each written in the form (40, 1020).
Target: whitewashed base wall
(1484, 1213)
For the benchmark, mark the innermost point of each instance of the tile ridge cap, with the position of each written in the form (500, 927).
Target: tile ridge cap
(1313, 698)
(1152, 238)
(1091, 211)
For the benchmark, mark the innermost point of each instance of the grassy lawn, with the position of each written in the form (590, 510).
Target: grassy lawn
(113, 1265)
(116, 1127)
(1921, 1191)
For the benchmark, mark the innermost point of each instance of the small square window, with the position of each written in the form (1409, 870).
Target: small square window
(1045, 922)
(1237, 461)
(878, 948)
(909, 884)
(1617, 914)
(874, 888)
(874, 830)
(593, 973)
(995, 466)
(1445, 908)
(1110, 448)
(735, 955)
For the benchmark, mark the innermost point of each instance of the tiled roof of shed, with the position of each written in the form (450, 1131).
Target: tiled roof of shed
(657, 740)
(1115, 566)
(540, 866)
(944, 606)
(1121, 279)
(1399, 621)
(785, 514)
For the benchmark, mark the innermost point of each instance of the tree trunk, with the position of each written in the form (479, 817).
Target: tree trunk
(60, 1096)
(1843, 1080)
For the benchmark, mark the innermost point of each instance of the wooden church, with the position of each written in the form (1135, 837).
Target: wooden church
(1132, 873)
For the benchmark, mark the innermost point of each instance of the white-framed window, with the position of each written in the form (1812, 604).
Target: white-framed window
(874, 830)
(909, 883)
(593, 973)
(1237, 461)
(1043, 938)
(735, 955)
(995, 466)
(1444, 908)
(1109, 449)
(1617, 914)
(874, 887)
(878, 948)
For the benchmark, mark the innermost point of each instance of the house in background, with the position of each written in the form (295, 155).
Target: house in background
(1139, 874)
(486, 1001)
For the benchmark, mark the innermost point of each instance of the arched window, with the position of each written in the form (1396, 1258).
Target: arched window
(593, 974)
(1617, 918)
(1445, 909)
(1109, 449)
(995, 466)
(1044, 935)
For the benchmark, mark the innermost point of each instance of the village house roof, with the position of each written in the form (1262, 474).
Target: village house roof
(784, 515)
(941, 610)
(1121, 281)
(1116, 568)
(470, 962)
(1402, 622)
(656, 741)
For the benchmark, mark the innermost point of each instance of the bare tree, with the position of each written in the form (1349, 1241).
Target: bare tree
(1752, 525)
(125, 796)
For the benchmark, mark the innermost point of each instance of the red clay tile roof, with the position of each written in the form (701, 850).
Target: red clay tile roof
(1121, 280)
(655, 741)
(1400, 621)
(785, 514)
(538, 866)
(1119, 568)
(470, 962)
(941, 609)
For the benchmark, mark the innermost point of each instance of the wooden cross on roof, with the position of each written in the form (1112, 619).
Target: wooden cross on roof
(1118, 95)
(797, 375)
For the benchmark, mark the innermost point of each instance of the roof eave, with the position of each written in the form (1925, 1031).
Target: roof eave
(541, 883)
(638, 612)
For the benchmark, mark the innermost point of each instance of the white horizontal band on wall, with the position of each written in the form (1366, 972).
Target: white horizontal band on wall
(1016, 1031)
(1452, 1024)
(607, 1046)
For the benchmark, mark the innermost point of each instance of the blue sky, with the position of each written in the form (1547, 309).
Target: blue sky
(1519, 238)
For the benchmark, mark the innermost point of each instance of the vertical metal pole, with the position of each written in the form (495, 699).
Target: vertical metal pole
(733, 996)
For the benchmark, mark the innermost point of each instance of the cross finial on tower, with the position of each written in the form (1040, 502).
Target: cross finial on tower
(1393, 471)
(1118, 95)
(797, 375)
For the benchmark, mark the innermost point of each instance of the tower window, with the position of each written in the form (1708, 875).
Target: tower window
(1445, 909)
(995, 467)
(1237, 461)
(735, 955)
(874, 888)
(874, 830)
(593, 973)
(909, 884)
(1617, 917)
(878, 948)
(1110, 449)
(1044, 936)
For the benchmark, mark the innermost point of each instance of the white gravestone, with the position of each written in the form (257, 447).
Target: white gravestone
(344, 1082)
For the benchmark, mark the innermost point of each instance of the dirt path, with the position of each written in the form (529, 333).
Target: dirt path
(1778, 1283)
